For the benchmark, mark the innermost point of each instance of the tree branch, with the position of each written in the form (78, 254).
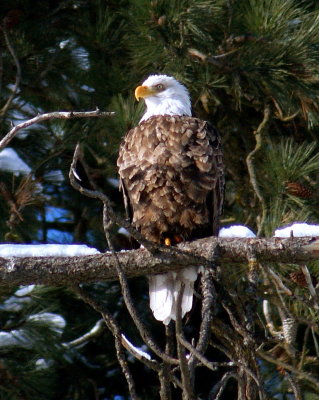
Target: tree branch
(184, 370)
(18, 73)
(53, 115)
(116, 332)
(100, 267)
(301, 374)
(259, 133)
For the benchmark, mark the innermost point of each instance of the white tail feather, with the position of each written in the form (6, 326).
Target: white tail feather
(164, 290)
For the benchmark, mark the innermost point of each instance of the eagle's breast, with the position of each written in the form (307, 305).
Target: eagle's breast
(170, 167)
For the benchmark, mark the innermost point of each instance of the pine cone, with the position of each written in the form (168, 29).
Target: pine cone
(298, 190)
(299, 278)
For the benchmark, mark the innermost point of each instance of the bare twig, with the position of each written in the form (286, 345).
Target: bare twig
(152, 364)
(270, 324)
(1, 69)
(93, 332)
(294, 386)
(52, 115)
(311, 288)
(213, 366)
(214, 60)
(248, 338)
(209, 298)
(219, 387)
(185, 373)
(301, 374)
(165, 387)
(114, 328)
(166, 374)
(279, 283)
(18, 73)
(259, 133)
(108, 218)
(95, 194)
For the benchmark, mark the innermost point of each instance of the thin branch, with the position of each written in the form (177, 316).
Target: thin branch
(219, 387)
(165, 387)
(311, 288)
(1, 70)
(52, 115)
(97, 329)
(108, 218)
(185, 374)
(259, 133)
(248, 338)
(279, 283)
(269, 322)
(165, 373)
(301, 374)
(243, 360)
(213, 366)
(95, 194)
(214, 60)
(115, 330)
(18, 73)
(209, 298)
(152, 364)
(294, 386)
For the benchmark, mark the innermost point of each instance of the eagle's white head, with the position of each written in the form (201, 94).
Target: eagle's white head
(164, 95)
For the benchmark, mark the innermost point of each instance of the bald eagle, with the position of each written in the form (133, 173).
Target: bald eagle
(171, 174)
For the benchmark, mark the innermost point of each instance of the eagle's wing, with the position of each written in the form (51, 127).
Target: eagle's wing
(216, 196)
(126, 199)
(171, 171)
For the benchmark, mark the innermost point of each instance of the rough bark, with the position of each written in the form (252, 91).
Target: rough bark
(101, 267)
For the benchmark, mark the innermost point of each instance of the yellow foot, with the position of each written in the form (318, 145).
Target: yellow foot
(174, 240)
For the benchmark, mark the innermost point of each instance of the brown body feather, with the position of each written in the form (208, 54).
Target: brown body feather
(171, 172)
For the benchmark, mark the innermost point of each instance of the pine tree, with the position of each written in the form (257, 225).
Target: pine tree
(252, 69)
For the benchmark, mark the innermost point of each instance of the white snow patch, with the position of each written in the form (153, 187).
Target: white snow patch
(17, 301)
(11, 162)
(14, 338)
(20, 338)
(15, 304)
(114, 182)
(124, 232)
(42, 364)
(236, 231)
(46, 250)
(64, 43)
(55, 176)
(298, 230)
(24, 290)
(137, 349)
(88, 88)
(55, 321)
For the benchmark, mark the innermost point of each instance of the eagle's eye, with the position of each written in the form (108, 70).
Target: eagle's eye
(159, 86)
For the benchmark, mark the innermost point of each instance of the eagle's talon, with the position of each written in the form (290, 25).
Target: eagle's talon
(178, 239)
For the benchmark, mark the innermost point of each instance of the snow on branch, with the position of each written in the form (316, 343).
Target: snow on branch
(62, 270)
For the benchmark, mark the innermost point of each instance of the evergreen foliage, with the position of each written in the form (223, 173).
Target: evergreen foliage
(238, 58)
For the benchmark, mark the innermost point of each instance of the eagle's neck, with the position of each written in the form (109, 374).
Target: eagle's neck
(167, 106)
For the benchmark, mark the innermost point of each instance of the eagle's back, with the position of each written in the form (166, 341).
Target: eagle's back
(171, 172)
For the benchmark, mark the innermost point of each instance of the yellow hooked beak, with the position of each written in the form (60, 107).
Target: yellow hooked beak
(143, 91)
